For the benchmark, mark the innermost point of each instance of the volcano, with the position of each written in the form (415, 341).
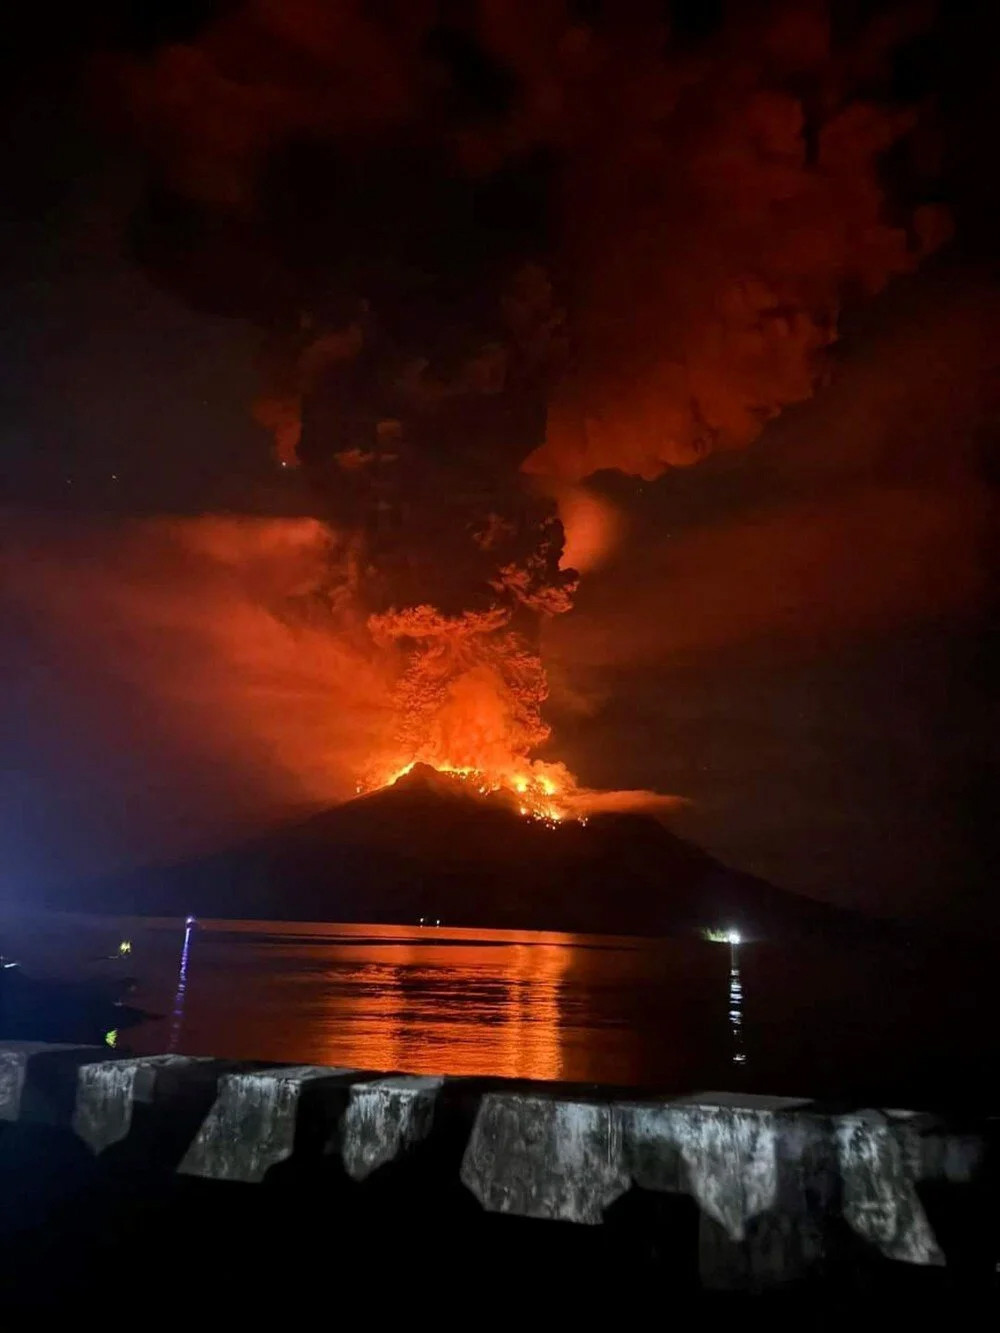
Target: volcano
(430, 846)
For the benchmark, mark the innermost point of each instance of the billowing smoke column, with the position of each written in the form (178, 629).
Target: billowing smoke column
(510, 240)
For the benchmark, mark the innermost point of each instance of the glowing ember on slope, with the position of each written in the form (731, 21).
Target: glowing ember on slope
(537, 790)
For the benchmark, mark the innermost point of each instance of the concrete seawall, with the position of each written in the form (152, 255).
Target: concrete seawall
(765, 1192)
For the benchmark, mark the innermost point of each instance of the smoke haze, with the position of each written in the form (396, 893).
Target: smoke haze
(171, 677)
(485, 253)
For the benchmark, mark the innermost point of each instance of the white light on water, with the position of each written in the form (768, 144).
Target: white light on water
(715, 935)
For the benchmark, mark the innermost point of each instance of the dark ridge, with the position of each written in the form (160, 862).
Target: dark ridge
(428, 846)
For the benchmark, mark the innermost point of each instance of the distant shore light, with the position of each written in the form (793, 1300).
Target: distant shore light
(717, 935)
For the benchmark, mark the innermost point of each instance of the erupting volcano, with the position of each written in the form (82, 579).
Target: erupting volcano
(538, 795)
(493, 250)
(468, 703)
(451, 849)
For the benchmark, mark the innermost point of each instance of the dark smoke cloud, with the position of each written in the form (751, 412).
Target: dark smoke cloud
(530, 204)
(512, 238)
(859, 513)
(799, 637)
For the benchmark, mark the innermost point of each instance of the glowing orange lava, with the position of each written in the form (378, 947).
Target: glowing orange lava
(540, 790)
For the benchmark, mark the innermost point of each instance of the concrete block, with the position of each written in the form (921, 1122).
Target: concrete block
(384, 1119)
(254, 1120)
(38, 1080)
(173, 1087)
(545, 1156)
(881, 1158)
(761, 1169)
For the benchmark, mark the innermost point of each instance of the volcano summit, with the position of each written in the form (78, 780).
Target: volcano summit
(433, 846)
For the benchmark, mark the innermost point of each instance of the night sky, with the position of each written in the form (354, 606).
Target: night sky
(795, 636)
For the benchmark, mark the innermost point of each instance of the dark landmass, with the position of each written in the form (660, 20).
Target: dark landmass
(42, 1009)
(429, 847)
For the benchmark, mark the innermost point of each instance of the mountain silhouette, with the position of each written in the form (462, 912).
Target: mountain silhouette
(432, 847)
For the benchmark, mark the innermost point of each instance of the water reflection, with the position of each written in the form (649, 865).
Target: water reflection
(477, 1008)
(641, 1013)
(177, 1015)
(514, 1004)
(739, 1056)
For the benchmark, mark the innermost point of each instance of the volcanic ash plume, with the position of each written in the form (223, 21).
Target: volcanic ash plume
(502, 240)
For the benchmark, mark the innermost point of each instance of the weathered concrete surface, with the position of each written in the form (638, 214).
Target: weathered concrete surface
(543, 1156)
(38, 1080)
(772, 1177)
(784, 1189)
(253, 1123)
(881, 1159)
(761, 1169)
(256, 1119)
(730, 1152)
(384, 1119)
(108, 1093)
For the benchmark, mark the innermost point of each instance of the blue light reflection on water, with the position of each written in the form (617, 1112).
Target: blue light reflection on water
(177, 1015)
(890, 1026)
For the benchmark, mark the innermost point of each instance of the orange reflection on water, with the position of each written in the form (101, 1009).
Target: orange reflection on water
(475, 1006)
(536, 1005)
